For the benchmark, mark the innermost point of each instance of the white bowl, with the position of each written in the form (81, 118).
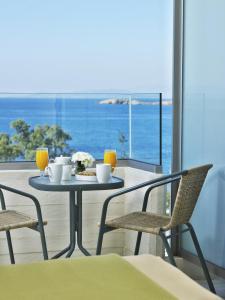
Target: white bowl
(86, 178)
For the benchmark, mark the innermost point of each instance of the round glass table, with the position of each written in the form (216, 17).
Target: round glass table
(75, 189)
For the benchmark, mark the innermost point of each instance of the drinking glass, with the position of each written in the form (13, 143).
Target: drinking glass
(110, 158)
(42, 159)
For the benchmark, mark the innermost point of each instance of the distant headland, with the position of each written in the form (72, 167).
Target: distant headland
(125, 101)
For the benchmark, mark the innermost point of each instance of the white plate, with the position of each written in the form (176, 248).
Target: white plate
(86, 178)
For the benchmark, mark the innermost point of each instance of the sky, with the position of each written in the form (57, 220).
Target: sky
(86, 46)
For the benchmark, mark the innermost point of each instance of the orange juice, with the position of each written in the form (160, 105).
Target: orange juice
(42, 158)
(110, 158)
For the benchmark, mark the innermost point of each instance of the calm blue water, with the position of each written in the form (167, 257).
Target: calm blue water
(95, 127)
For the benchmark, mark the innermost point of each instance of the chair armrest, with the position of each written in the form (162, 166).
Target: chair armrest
(24, 194)
(15, 191)
(153, 184)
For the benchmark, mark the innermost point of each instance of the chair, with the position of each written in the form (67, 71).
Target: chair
(11, 219)
(190, 185)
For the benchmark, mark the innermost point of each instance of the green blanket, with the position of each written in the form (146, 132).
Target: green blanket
(92, 278)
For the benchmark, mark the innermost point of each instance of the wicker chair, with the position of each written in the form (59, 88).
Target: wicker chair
(11, 219)
(190, 185)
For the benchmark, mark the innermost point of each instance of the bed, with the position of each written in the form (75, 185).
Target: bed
(170, 278)
(108, 277)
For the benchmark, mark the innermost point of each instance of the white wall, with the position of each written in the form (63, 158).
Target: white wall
(26, 242)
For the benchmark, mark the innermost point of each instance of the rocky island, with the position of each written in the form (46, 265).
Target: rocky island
(125, 101)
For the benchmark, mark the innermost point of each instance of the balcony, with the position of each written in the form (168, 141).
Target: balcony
(130, 123)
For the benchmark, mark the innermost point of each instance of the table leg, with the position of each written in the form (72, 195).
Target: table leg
(70, 248)
(79, 224)
(75, 226)
(61, 252)
(73, 221)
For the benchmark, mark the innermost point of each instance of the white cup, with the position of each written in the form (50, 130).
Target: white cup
(67, 172)
(55, 172)
(103, 172)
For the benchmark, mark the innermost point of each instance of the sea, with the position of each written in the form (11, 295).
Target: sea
(133, 129)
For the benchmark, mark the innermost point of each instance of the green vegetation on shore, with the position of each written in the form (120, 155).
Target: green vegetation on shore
(23, 143)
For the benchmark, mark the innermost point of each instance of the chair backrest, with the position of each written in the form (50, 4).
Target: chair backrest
(187, 195)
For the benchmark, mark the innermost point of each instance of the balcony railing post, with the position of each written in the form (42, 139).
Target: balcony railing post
(160, 129)
(130, 127)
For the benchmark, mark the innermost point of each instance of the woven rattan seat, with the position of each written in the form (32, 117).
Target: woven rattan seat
(140, 221)
(11, 219)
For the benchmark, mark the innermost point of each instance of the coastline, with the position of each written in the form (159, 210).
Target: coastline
(125, 101)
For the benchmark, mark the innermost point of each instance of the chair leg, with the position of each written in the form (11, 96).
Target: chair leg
(168, 249)
(201, 258)
(100, 240)
(43, 241)
(9, 241)
(138, 242)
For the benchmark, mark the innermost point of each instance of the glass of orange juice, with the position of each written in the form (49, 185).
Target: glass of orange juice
(42, 159)
(110, 158)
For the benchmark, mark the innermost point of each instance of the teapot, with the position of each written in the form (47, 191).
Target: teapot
(63, 160)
